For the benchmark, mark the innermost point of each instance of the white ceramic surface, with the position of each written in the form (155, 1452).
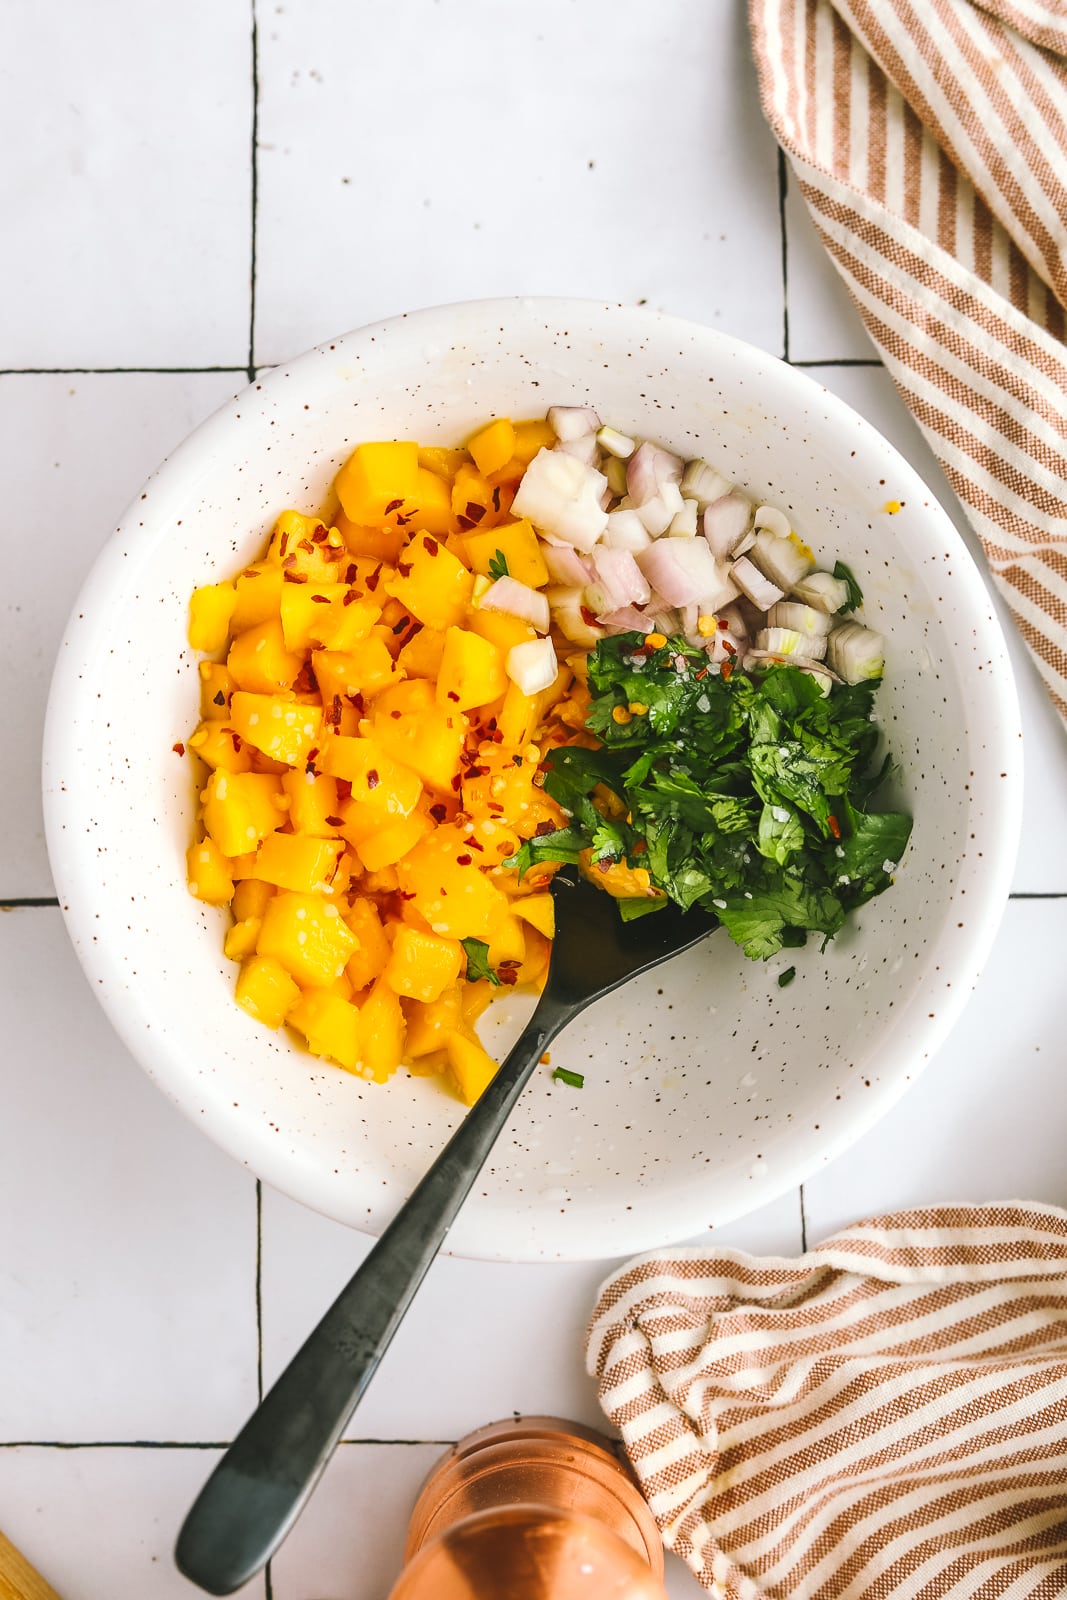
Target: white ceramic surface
(710, 1090)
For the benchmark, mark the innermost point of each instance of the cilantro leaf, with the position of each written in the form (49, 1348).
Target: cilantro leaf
(498, 565)
(477, 953)
(855, 593)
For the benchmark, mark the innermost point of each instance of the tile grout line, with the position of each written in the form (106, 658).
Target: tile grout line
(259, 1290)
(251, 368)
(803, 1223)
(61, 372)
(783, 189)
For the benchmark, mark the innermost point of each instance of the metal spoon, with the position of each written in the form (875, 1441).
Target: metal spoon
(258, 1489)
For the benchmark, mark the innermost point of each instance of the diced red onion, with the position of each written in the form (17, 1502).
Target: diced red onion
(565, 565)
(685, 521)
(703, 484)
(626, 531)
(570, 422)
(734, 619)
(561, 496)
(658, 513)
(856, 653)
(781, 560)
(532, 665)
(680, 570)
(518, 600)
(628, 619)
(726, 522)
(584, 449)
(751, 582)
(773, 520)
(619, 581)
(648, 470)
(616, 443)
(724, 646)
(822, 591)
(803, 619)
(788, 642)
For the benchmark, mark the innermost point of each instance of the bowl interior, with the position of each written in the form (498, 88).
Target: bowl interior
(708, 1089)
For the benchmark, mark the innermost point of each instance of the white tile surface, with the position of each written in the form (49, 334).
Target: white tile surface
(481, 1340)
(985, 1120)
(128, 215)
(74, 450)
(127, 1241)
(416, 154)
(1042, 861)
(100, 1524)
(824, 324)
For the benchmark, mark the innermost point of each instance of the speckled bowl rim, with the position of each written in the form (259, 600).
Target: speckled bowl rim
(74, 873)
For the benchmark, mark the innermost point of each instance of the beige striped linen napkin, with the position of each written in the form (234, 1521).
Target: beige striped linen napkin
(883, 1417)
(929, 140)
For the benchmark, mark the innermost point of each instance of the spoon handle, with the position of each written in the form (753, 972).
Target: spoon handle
(259, 1487)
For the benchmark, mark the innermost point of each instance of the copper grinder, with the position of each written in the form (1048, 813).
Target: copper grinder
(535, 1509)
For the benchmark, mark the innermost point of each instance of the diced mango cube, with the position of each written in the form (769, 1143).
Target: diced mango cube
(517, 543)
(313, 802)
(265, 990)
(431, 1022)
(383, 1029)
(218, 745)
(411, 727)
(472, 1067)
(456, 899)
(375, 475)
(306, 934)
(330, 1025)
(471, 671)
(303, 548)
(277, 724)
(539, 910)
(441, 460)
(259, 592)
(241, 808)
(381, 841)
(518, 719)
(210, 610)
(250, 899)
(208, 873)
(493, 446)
(431, 583)
(371, 955)
(507, 942)
(240, 940)
(387, 786)
(295, 861)
(472, 497)
(530, 437)
(326, 615)
(216, 687)
(259, 661)
(423, 965)
(501, 629)
(379, 544)
(421, 656)
(429, 509)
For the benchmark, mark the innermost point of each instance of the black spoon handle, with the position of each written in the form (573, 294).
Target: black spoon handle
(258, 1489)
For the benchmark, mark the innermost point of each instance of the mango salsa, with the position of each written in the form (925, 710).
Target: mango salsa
(366, 765)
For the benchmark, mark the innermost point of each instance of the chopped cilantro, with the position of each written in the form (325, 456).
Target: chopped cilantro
(575, 1079)
(749, 797)
(477, 953)
(785, 978)
(498, 566)
(855, 593)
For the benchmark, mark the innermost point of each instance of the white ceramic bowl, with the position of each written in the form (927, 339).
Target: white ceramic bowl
(708, 1089)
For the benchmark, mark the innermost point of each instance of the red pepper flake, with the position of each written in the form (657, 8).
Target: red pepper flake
(464, 860)
(516, 761)
(588, 617)
(372, 581)
(330, 554)
(429, 545)
(349, 597)
(395, 715)
(491, 724)
(402, 522)
(357, 701)
(640, 847)
(219, 699)
(834, 826)
(723, 625)
(452, 695)
(319, 536)
(394, 505)
(334, 822)
(496, 499)
(456, 783)
(373, 779)
(179, 748)
(333, 713)
(312, 769)
(305, 681)
(475, 511)
(543, 828)
(295, 577)
(404, 568)
(477, 772)
(320, 599)
(497, 810)
(313, 752)
(464, 522)
(283, 544)
(344, 789)
(235, 740)
(507, 976)
(727, 669)
(439, 812)
(351, 572)
(496, 736)
(476, 846)
(290, 561)
(403, 894)
(731, 649)
(701, 675)
(404, 622)
(306, 544)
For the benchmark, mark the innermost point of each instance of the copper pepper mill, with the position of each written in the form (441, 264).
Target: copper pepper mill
(536, 1509)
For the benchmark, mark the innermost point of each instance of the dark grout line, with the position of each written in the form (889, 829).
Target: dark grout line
(28, 900)
(259, 1290)
(180, 1444)
(62, 372)
(251, 370)
(783, 190)
(803, 1222)
(1025, 894)
(841, 361)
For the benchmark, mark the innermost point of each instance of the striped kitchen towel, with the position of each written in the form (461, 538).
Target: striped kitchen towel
(884, 1417)
(929, 140)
